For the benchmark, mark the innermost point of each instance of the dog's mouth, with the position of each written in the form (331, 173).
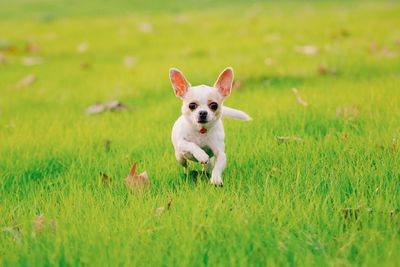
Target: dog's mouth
(202, 121)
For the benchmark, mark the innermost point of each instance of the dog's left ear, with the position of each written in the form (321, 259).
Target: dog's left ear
(178, 81)
(224, 82)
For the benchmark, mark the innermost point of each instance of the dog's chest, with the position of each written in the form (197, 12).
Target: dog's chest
(202, 140)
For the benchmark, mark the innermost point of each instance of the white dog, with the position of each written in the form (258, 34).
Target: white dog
(198, 134)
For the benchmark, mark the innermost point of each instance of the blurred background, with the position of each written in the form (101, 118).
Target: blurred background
(59, 58)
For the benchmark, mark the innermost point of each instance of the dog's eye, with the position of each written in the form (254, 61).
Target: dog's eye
(192, 106)
(213, 106)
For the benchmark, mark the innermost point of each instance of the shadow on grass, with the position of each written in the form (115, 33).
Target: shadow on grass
(194, 176)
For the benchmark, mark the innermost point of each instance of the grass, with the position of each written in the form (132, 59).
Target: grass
(331, 199)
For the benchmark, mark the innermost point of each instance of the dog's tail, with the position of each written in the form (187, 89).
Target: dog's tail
(235, 114)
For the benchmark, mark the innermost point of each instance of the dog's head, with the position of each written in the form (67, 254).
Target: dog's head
(202, 104)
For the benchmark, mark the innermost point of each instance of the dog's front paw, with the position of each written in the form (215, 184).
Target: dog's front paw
(217, 181)
(201, 156)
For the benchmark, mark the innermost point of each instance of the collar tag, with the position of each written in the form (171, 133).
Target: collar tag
(203, 130)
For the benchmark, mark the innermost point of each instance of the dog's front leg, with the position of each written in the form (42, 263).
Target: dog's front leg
(186, 147)
(220, 163)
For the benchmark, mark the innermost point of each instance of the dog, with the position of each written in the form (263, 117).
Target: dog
(198, 134)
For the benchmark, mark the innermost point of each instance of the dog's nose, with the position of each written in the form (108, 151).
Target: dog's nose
(203, 114)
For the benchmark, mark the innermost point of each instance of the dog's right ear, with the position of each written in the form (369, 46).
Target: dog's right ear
(178, 81)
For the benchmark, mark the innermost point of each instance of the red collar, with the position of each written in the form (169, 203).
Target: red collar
(203, 130)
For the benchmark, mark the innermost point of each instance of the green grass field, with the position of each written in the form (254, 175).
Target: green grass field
(327, 196)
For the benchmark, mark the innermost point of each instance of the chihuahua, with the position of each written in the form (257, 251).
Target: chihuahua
(198, 134)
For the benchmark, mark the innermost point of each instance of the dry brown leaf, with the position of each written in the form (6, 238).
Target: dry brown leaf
(381, 51)
(158, 211)
(15, 232)
(268, 61)
(181, 19)
(137, 182)
(31, 61)
(85, 65)
(31, 47)
(169, 204)
(145, 27)
(130, 61)
(82, 47)
(105, 179)
(325, 70)
(27, 80)
(298, 97)
(95, 109)
(387, 52)
(38, 224)
(7, 47)
(3, 58)
(308, 50)
(11, 49)
(272, 37)
(373, 47)
(115, 105)
(348, 113)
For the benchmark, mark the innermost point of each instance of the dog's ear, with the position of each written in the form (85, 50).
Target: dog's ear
(178, 81)
(224, 82)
